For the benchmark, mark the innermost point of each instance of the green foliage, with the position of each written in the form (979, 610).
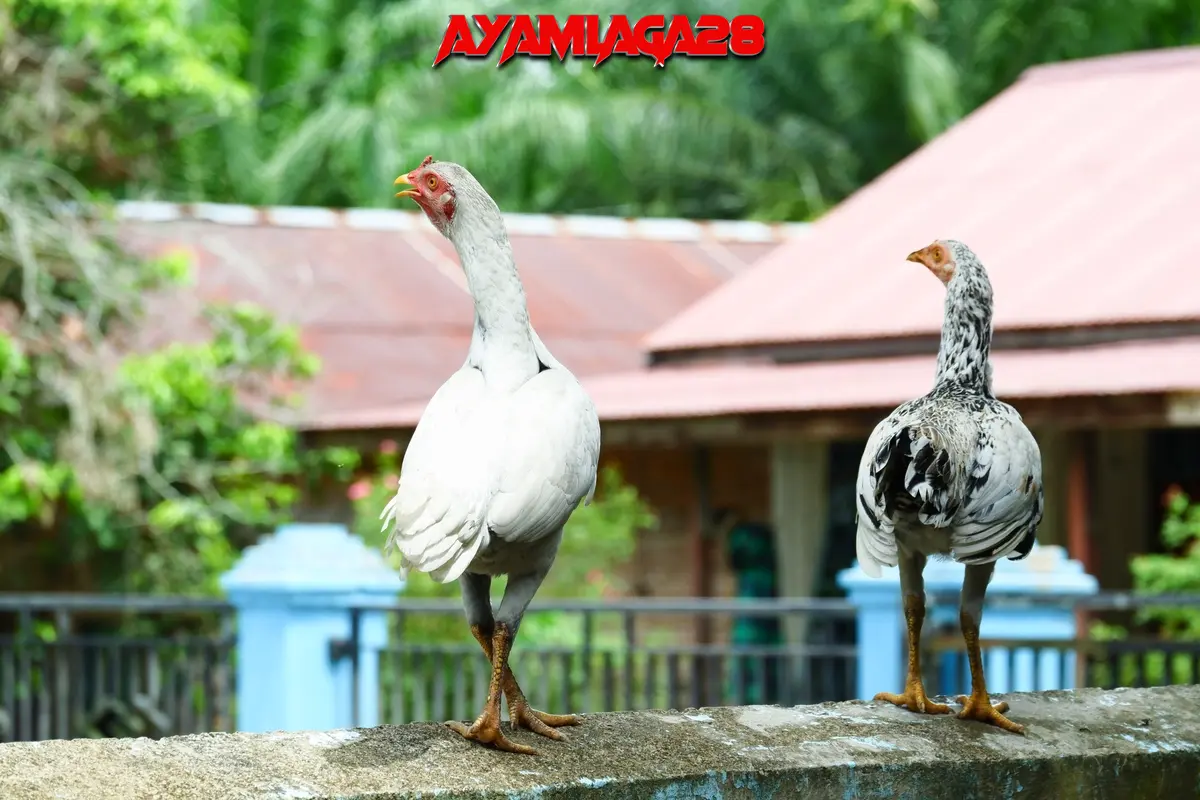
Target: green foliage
(121, 468)
(216, 463)
(600, 539)
(323, 102)
(152, 49)
(101, 87)
(347, 100)
(1175, 572)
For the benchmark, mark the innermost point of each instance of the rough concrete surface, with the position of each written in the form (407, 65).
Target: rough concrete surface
(1133, 744)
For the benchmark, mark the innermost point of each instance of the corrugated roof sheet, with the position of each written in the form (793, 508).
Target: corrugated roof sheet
(379, 296)
(1158, 367)
(1079, 188)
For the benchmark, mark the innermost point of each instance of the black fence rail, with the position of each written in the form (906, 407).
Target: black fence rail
(623, 655)
(1045, 665)
(77, 666)
(104, 666)
(1142, 655)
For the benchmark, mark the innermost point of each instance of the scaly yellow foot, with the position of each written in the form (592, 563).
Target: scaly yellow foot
(486, 730)
(519, 711)
(979, 708)
(523, 716)
(914, 699)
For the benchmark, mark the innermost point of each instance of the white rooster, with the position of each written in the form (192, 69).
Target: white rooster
(503, 454)
(954, 473)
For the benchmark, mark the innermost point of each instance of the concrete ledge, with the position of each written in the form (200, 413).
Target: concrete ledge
(1135, 744)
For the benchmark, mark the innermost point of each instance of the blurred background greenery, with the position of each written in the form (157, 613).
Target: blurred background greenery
(322, 102)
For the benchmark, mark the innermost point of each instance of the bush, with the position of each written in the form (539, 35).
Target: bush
(1175, 572)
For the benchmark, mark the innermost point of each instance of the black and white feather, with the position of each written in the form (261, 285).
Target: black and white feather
(956, 472)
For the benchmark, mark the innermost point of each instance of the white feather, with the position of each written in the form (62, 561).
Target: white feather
(874, 542)
(486, 462)
(505, 450)
(1005, 503)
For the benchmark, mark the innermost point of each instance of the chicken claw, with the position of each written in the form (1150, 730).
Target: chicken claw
(519, 711)
(486, 730)
(980, 709)
(541, 723)
(914, 699)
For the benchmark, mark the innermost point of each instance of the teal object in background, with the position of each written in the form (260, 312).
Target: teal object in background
(293, 592)
(751, 552)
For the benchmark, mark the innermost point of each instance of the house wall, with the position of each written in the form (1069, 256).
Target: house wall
(1056, 459)
(1120, 497)
(665, 477)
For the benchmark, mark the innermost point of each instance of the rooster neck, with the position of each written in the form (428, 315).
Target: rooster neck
(502, 342)
(962, 361)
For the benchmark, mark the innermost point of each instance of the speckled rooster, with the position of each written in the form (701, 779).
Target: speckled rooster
(954, 473)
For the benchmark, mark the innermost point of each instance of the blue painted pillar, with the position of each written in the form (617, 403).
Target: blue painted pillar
(881, 660)
(1046, 572)
(293, 592)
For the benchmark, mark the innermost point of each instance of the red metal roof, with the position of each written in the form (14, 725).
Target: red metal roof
(1079, 188)
(379, 296)
(715, 389)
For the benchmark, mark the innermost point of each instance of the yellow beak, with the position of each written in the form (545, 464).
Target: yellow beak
(915, 256)
(407, 192)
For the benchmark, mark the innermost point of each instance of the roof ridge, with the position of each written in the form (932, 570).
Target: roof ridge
(670, 229)
(1160, 58)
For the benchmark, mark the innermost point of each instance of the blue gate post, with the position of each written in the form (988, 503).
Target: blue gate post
(293, 592)
(1046, 572)
(880, 622)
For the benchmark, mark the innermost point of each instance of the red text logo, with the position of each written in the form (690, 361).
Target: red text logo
(655, 36)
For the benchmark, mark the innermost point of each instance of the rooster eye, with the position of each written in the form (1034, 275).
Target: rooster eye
(937, 254)
(432, 182)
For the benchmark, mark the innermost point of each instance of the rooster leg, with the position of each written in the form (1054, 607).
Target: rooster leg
(912, 586)
(486, 728)
(517, 595)
(496, 639)
(519, 710)
(525, 716)
(978, 706)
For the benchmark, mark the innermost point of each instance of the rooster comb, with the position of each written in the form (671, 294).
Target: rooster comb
(428, 160)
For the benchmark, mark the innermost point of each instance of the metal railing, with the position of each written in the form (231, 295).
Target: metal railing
(1144, 658)
(74, 665)
(619, 655)
(1098, 664)
(96, 666)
